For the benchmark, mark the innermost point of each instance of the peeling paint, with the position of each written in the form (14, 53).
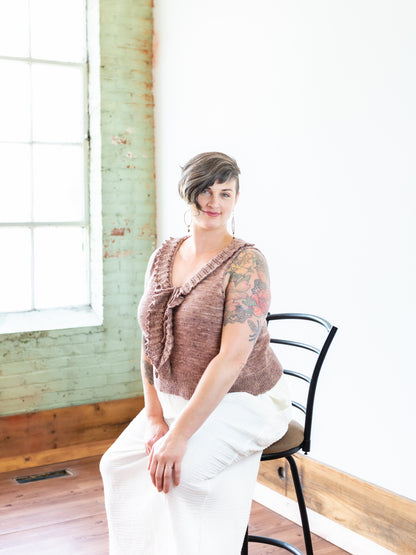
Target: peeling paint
(146, 230)
(116, 140)
(155, 50)
(122, 138)
(24, 337)
(118, 254)
(118, 231)
(148, 97)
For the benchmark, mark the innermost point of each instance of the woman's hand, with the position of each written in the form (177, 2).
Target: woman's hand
(155, 429)
(165, 461)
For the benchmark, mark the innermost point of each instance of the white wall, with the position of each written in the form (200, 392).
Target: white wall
(316, 100)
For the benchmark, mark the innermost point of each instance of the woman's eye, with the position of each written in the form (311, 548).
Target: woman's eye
(226, 195)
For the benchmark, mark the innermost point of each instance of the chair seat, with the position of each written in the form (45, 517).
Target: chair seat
(291, 441)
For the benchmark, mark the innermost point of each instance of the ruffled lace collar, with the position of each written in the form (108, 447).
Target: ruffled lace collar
(168, 251)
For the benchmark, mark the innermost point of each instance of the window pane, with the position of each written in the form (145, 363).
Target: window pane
(15, 198)
(61, 275)
(58, 175)
(14, 28)
(15, 273)
(58, 98)
(58, 30)
(14, 101)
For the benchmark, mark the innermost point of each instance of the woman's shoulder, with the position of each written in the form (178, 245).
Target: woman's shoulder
(167, 245)
(247, 250)
(248, 259)
(171, 241)
(161, 258)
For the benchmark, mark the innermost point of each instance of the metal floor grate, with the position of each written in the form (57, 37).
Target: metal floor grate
(39, 477)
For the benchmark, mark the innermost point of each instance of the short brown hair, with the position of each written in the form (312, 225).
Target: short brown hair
(202, 171)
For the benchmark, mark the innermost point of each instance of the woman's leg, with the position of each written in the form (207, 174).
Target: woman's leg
(136, 513)
(210, 515)
(210, 508)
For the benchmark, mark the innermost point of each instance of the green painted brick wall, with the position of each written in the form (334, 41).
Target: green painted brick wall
(50, 369)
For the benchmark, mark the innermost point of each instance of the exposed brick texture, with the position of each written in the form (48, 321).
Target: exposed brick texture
(50, 369)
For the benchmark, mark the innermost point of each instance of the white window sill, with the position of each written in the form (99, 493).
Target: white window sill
(53, 319)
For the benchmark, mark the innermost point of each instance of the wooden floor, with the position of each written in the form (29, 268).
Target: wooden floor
(65, 516)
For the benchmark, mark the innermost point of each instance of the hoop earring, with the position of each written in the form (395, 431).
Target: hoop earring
(233, 225)
(188, 223)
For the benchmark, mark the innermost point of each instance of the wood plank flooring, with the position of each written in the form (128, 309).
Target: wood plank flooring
(65, 516)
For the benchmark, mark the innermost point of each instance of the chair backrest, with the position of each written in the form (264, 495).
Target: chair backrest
(311, 378)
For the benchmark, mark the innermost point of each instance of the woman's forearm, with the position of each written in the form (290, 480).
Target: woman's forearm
(152, 404)
(216, 381)
(168, 452)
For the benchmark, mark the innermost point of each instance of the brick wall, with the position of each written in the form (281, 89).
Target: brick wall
(50, 369)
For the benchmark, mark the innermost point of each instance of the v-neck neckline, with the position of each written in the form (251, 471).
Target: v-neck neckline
(203, 270)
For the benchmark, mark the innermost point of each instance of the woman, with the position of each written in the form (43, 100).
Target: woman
(179, 480)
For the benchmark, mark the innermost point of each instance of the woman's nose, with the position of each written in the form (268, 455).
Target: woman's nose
(214, 200)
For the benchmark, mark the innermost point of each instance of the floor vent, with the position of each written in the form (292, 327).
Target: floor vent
(45, 476)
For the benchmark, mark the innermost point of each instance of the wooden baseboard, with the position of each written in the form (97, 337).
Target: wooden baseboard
(50, 436)
(51, 456)
(377, 514)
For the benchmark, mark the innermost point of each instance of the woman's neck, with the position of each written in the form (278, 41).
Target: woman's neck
(202, 241)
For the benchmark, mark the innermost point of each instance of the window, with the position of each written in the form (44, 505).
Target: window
(44, 151)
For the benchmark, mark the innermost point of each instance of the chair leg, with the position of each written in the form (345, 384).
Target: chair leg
(302, 505)
(244, 549)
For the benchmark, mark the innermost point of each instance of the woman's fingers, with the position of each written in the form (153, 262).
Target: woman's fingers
(161, 476)
(177, 474)
(158, 476)
(167, 478)
(149, 463)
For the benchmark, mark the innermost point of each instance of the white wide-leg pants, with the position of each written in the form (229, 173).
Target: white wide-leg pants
(209, 510)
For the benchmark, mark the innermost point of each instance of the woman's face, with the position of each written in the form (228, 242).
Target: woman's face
(217, 203)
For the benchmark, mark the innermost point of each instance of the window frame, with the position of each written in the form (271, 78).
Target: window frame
(92, 313)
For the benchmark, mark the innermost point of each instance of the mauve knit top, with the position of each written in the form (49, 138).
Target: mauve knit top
(182, 325)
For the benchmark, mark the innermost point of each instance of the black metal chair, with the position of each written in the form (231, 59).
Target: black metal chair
(298, 436)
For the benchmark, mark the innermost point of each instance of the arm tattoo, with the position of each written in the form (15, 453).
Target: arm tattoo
(148, 371)
(255, 328)
(249, 295)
